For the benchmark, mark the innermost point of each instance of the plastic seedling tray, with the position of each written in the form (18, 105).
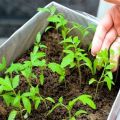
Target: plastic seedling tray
(23, 38)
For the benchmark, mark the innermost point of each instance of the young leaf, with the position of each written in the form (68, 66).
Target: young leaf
(6, 83)
(72, 118)
(56, 68)
(35, 49)
(12, 115)
(86, 100)
(16, 101)
(50, 99)
(14, 67)
(109, 82)
(49, 27)
(37, 102)
(61, 78)
(42, 79)
(8, 99)
(53, 19)
(79, 112)
(38, 37)
(67, 60)
(15, 81)
(110, 75)
(60, 100)
(92, 80)
(27, 104)
(27, 73)
(71, 104)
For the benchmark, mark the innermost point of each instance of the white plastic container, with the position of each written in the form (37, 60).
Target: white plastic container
(24, 37)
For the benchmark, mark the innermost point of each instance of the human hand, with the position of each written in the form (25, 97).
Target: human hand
(114, 1)
(107, 34)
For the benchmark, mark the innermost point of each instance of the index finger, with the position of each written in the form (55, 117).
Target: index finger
(101, 31)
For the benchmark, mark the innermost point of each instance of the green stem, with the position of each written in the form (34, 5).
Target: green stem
(69, 112)
(79, 72)
(21, 112)
(29, 82)
(99, 81)
(19, 106)
(43, 100)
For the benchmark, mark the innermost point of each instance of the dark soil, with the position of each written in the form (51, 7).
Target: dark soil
(69, 90)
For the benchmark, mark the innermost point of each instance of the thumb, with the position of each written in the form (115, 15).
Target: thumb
(114, 58)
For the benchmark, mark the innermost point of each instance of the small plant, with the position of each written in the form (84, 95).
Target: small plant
(102, 62)
(76, 57)
(84, 99)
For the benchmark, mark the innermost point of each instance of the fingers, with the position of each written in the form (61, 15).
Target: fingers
(115, 13)
(100, 34)
(114, 1)
(109, 39)
(115, 57)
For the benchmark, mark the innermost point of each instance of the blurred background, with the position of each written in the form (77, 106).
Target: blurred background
(14, 13)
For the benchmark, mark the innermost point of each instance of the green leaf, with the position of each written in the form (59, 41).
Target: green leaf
(37, 102)
(15, 81)
(6, 83)
(110, 75)
(36, 56)
(27, 64)
(79, 112)
(67, 40)
(54, 107)
(60, 100)
(14, 67)
(8, 99)
(42, 79)
(35, 49)
(50, 99)
(61, 78)
(16, 101)
(27, 104)
(67, 60)
(92, 80)
(42, 46)
(53, 19)
(72, 118)
(3, 64)
(56, 68)
(38, 37)
(71, 104)
(27, 73)
(109, 67)
(49, 27)
(86, 100)
(26, 94)
(109, 82)
(12, 115)
(39, 63)
(95, 63)
(88, 63)
(76, 40)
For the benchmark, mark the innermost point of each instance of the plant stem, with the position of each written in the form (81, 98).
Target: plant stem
(19, 106)
(99, 81)
(69, 112)
(21, 112)
(79, 72)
